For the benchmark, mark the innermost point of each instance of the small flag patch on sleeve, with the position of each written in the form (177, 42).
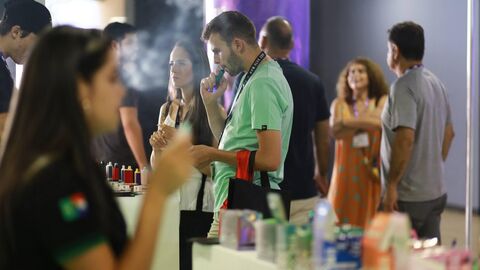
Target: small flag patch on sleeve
(73, 207)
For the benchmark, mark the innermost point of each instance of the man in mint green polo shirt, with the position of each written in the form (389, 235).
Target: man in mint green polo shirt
(261, 114)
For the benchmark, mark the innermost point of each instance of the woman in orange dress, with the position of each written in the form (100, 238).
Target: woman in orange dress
(356, 126)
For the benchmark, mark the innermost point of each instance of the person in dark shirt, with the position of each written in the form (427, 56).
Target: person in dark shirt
(21, 22)
(148, 101)
(310, 119)
(56, 209)
(6, 89)
(125, 146)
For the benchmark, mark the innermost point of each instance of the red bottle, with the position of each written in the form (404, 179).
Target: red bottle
(115, 172)
(128, 174)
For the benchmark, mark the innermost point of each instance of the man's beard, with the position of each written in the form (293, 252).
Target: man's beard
(234, 64)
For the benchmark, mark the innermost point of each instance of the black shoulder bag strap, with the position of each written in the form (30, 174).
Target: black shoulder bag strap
(179, 115)
(263, 175)
(200, 194)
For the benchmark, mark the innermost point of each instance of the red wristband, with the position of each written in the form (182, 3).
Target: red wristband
(243, 157)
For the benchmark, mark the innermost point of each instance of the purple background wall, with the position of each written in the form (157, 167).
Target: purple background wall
(296, 12)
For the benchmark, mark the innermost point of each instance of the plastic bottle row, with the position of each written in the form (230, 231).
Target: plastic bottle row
(126, 174)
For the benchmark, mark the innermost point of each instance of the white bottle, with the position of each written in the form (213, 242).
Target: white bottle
(144, 176)
(324, 254)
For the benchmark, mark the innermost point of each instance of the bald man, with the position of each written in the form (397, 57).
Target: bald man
(310, 123)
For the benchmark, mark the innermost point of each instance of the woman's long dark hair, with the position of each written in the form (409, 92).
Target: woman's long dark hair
(197, 115)
(49, 121)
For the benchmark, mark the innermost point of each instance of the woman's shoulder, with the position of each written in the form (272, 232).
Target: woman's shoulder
(164, 105)
(383, 98)
(163, 111)
(53, 173)
(338, 101)
(380, 101)
(169, 106)
(61, 179)
(46, 165)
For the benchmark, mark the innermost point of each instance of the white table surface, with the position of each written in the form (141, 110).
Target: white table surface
(216, 257)
(166, 254)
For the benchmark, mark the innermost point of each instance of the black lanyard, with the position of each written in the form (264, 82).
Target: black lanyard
(4, 61)
(249, 74)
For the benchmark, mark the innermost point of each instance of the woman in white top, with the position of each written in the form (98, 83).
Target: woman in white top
(188, 64)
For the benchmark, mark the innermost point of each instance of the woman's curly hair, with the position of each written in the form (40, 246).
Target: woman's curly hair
(377, 85)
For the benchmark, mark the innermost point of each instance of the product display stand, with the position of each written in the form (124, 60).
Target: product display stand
(166, 255)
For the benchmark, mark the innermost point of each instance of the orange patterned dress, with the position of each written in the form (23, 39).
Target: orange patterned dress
(355, 185)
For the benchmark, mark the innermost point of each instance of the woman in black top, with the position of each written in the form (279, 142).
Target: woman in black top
(56, 210)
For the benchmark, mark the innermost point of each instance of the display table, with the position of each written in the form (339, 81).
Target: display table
(166, 253)
(216, 257)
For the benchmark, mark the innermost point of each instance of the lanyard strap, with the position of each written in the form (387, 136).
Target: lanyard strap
(355, 110)
(249, 74)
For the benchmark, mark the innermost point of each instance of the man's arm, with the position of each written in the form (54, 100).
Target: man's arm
(216, 119)
(269, 153)
(267, 158)
(133, 134)
(447, 140)
(401, 153)
(321, 140)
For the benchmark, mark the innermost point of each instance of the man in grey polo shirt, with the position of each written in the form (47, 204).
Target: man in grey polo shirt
(417, 134)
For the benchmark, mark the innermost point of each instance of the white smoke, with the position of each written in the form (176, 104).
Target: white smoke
(187, 5)
(146, 66)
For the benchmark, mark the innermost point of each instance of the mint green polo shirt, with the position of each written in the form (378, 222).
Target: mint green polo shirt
(265, 104)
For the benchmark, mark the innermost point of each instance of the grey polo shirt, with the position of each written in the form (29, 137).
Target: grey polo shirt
(417, 100)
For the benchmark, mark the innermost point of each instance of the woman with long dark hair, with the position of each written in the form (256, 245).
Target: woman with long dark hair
(56, 209)
(188, 65)
(355, 123)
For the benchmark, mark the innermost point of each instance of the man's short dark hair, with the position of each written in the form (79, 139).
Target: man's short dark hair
(117, 31)
(31, 16)
(409, 38)
(230, 25)
(279, 36)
